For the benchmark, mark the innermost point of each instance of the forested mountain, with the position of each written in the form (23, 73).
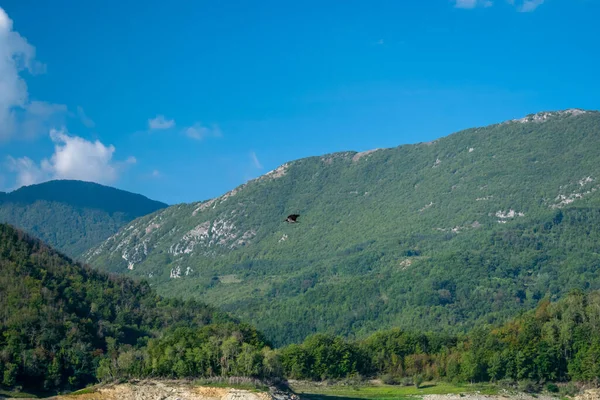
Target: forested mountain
(64, 325)
(73, 216)
(470, 228)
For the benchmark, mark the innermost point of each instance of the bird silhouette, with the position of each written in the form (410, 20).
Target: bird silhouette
(291, 219)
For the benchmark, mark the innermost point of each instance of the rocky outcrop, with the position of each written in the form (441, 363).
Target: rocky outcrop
(173, 390)
(546, 115)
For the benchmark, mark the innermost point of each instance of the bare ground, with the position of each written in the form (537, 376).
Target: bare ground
(169, 390)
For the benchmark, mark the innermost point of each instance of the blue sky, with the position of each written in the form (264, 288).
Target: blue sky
(184, 100)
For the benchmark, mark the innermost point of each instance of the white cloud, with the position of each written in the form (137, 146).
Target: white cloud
(17, 114)
(255, 160)
(160, 122)
(15, 55)
(520, 5)
(73, 158)
(156, 174)
(77, 158)
(199, 131)
(466, 3)
(530, 5)
(27, 171)
(85, 120)
(469, 4)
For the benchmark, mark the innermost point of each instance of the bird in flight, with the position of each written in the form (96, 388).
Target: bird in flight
(291, 219)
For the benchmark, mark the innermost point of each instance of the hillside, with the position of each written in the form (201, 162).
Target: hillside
(73, 216)
(557, 342)
(64, 325)
(469, 228)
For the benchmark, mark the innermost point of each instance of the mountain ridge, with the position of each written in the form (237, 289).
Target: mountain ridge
(73, 215)
(377, 228)
(54, 190)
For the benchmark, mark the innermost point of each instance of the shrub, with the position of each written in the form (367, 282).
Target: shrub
(506, 383)
(528, 386)
(570, 389)
(407, 381)
(389, 379)
(552, 387)
(418, 380)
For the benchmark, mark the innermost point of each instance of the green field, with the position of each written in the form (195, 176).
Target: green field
(381, 392)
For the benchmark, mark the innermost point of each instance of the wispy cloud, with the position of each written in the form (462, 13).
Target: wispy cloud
(465, 4)
(520, 5)
(199, 131)
(530, 5)
(73, 158)
(38, 117)
(17, 113)
(255, 160)
(28, 172)
(469, 4)
(160, 122)
(85, 120)
(152, 175)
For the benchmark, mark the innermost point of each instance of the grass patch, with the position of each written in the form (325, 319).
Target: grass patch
(381, 392)
(83, 391)
(228, 279)
(16, 395)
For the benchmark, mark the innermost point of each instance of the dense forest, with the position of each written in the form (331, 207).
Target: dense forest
(556, 342)
(469, 229)
(64, 325)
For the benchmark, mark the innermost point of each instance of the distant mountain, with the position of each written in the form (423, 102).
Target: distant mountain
(73, 216)
(473, 227)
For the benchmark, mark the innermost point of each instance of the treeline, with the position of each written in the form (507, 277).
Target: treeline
(223, 350)
(557, 342)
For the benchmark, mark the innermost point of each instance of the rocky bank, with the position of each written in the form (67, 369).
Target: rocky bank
(173, 390)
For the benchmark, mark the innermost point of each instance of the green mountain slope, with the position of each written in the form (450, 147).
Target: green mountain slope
(73, 216)
(64, 325)
(471, 227)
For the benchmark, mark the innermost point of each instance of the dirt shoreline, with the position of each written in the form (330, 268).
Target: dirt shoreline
(181, 390)
(171, 390)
